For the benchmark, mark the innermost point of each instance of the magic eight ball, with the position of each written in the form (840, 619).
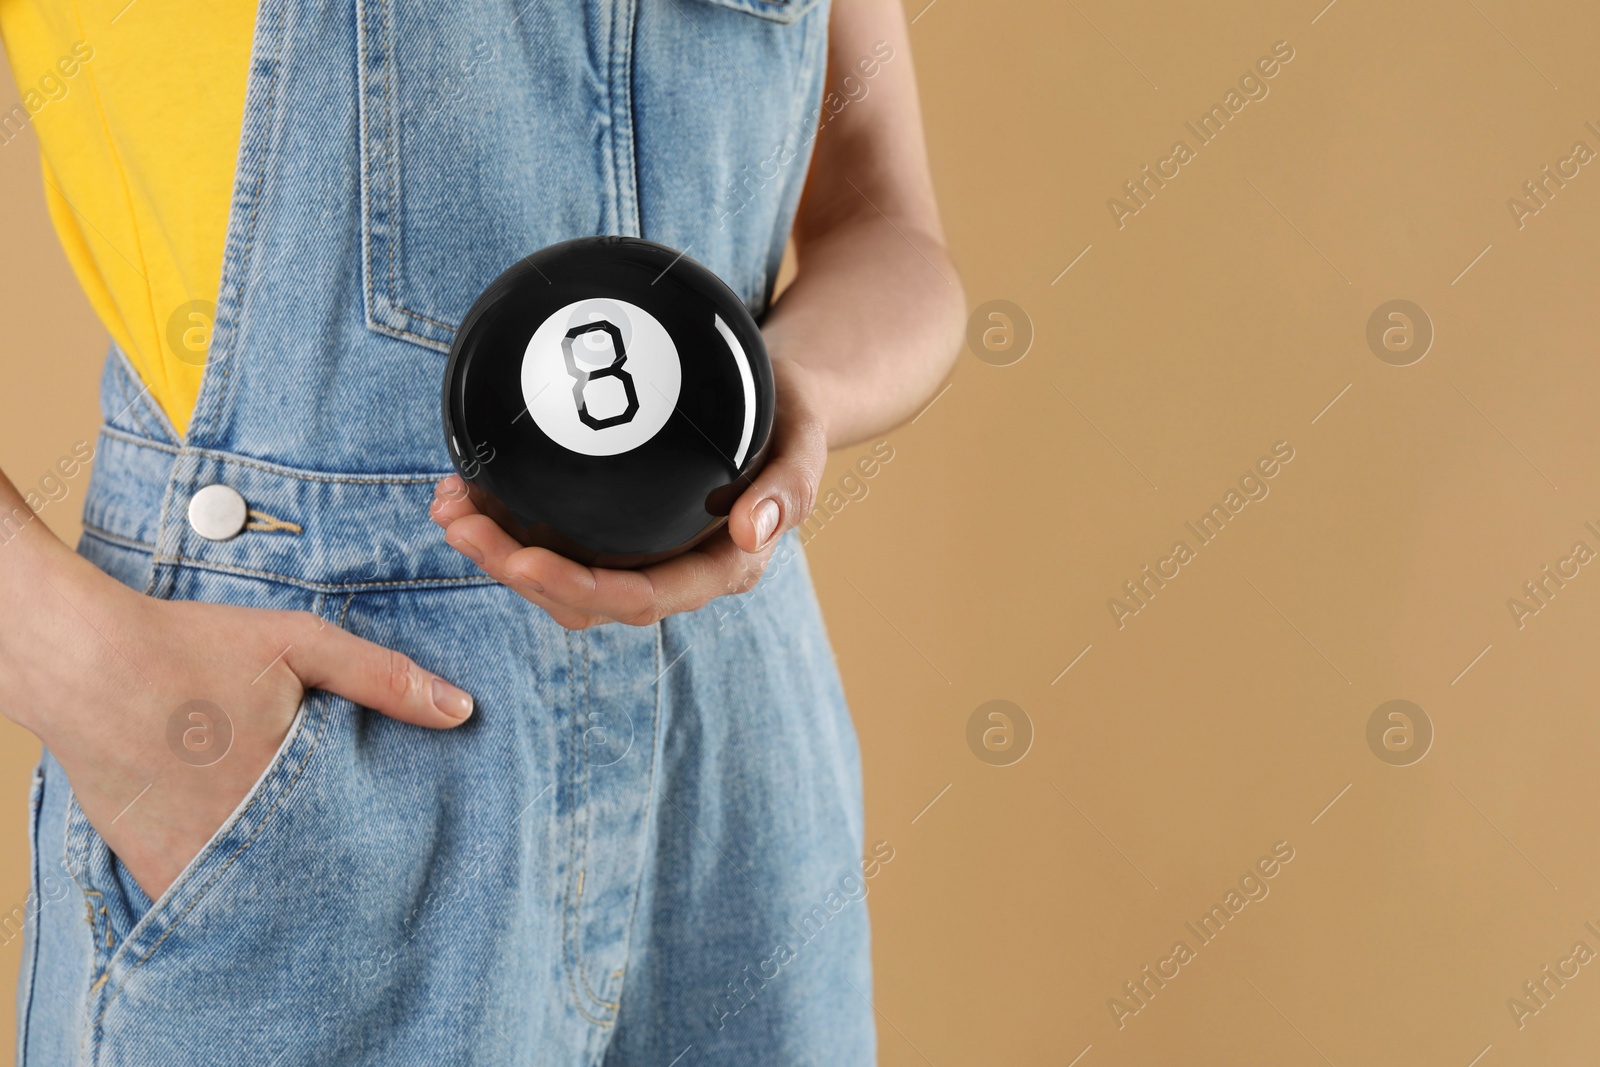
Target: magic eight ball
(608, 398)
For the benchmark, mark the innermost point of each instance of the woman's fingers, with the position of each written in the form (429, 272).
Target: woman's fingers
(481, 540)
(716, 567)
(576, 596)
(323, 656)
(450, 501)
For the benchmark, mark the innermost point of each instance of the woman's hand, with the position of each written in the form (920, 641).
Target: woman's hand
(860, 340)
(107, 678)
(729, 561)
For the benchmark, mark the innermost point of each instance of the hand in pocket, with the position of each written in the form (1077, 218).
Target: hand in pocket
(165, 713)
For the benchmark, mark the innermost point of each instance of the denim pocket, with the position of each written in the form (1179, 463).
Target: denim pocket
(126, 927)
(490, 130)
(784, 11)
(476, 150)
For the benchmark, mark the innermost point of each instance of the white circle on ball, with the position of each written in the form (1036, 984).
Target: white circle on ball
(601, 376)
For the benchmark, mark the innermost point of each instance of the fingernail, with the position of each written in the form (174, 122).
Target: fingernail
(468, 549)
(766, 520)
(449, 490)
(450, 700)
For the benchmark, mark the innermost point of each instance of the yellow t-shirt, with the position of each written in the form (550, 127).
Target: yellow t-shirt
(137, 107)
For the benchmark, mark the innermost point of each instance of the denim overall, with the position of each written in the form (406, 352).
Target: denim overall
(646, 845)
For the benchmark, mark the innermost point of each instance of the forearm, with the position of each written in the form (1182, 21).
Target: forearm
(877, 316)
(46, 593)
(29, 551)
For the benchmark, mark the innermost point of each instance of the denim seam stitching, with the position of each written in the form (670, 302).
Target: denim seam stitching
(364, 168)
(307, 476)
(650, 778)
(36, 871)
(406, 335)
(306, 583)
(577, 907)
(250, 234)
(570, 918)
(116, 539)
(424, 318)
(128, 543)
(168, 491)
(92, 530)
(282, 794)
(300, 474)
(767, 10)
(394, 175)
(74, 846)
(391, 182)
(628, 190)
(107, 430)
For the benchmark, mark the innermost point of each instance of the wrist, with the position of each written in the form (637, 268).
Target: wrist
(30, 554)
(805, 395)
(50, 597)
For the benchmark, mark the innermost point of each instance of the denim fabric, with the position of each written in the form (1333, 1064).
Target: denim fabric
(646, 846)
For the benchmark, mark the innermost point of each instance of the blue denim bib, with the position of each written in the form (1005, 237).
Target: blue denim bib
(647, 842)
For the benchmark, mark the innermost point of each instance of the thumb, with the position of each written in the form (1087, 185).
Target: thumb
(376, 677)
(785, 490)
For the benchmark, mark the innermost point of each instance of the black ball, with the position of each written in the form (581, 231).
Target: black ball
(608, 398)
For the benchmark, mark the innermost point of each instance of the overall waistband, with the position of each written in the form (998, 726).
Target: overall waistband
(329, 531)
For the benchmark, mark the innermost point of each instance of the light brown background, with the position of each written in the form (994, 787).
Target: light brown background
(1228, 714)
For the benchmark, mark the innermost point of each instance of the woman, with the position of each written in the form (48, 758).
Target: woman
(291, 835)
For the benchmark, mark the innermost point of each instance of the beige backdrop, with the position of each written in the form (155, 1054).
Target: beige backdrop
(1174, 347)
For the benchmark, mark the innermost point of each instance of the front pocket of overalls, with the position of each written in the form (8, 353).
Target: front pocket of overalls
(130, 930)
